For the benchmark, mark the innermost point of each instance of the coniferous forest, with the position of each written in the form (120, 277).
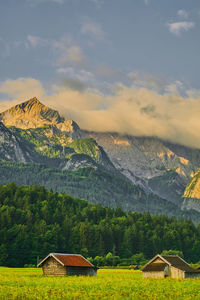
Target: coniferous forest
(35, 222)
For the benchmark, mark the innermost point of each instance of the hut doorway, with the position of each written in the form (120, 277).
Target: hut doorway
(166, 271)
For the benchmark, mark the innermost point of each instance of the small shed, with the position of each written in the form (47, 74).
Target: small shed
(173, 266)
(60, 264)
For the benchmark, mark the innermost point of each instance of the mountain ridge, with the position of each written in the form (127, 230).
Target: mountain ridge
(157, 167)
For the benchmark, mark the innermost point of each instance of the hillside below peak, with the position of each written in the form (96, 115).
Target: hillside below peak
(34, 114)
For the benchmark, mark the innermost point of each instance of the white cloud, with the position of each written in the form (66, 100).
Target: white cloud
(182, 13)
(178, 27)
(63, 50)
(82, 75)
(140, 112)
(22, 88)
(93, 29)
(193, 93)
(147, 80)
(174, 87)
(67, 55)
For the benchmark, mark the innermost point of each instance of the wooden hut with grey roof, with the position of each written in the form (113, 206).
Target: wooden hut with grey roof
(173, 266)
(60, 264)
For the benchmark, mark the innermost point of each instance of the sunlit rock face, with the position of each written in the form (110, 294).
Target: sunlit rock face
(34, 114)
(68, 126)
(30, 114)
(193, 187)
(192, 193)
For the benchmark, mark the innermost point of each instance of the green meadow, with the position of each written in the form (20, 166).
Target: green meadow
(26, 283)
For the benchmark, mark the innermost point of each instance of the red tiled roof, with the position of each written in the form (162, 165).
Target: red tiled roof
(70, 260)
(73, 260)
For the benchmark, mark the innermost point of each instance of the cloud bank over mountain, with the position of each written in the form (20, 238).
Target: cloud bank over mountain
(130, 110)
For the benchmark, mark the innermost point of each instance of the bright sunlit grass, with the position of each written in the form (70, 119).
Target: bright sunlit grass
(108, 284)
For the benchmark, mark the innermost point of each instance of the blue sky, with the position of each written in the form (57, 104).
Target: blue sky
(98, 60)
(110, 38)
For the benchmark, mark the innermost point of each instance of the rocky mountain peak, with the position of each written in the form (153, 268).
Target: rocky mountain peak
(31, 102)
(34, 114)
(26, 106)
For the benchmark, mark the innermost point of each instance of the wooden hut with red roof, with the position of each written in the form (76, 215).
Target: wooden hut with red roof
(60, 264)
(173, 266)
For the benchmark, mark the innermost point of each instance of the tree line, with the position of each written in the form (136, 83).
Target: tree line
(94, 184)
(35, 222)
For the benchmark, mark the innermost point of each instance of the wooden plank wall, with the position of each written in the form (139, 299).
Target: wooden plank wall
(177, 273)
(153, 274)
(52, 267)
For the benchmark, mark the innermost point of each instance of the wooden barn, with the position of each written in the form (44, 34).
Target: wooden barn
(59, 264)
(173, 266)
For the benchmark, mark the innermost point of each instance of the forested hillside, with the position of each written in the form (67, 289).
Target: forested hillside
(35, 221)
(97, 185)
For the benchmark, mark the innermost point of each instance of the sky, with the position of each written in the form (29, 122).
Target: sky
(131, 66)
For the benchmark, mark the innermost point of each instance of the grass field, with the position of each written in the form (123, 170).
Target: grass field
(108, 284)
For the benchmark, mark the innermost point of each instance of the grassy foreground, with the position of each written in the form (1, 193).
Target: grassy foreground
(109, 284)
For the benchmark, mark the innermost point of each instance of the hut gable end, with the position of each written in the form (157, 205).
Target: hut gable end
(53, 267)
(158, 261)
